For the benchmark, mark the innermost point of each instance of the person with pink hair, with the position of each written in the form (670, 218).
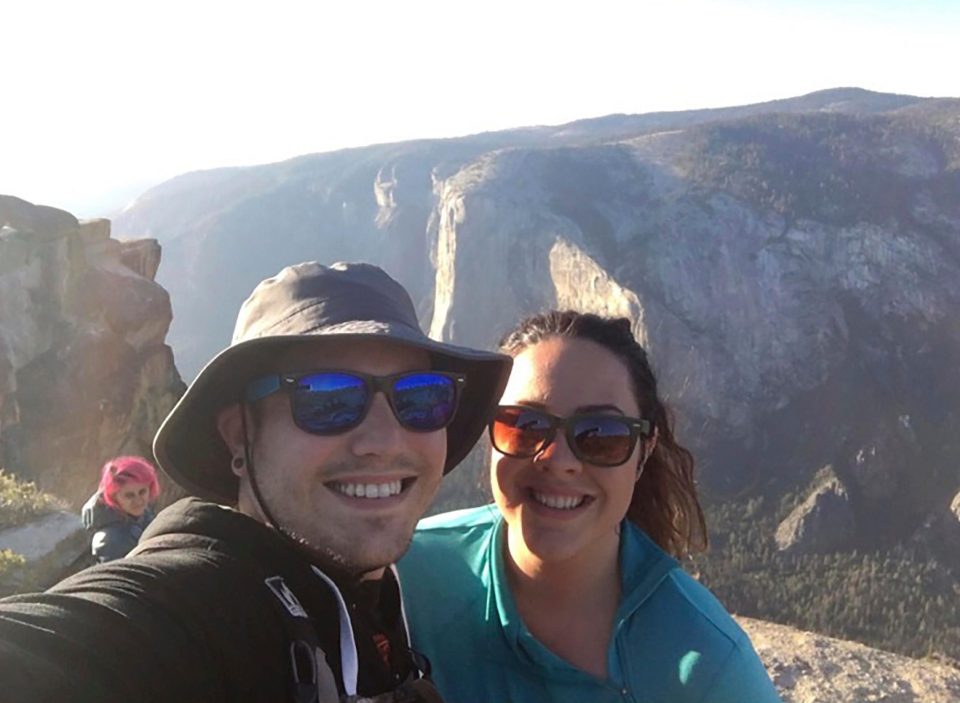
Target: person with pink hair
(119, 511)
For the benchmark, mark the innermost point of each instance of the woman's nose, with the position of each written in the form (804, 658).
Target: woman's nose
(557, 456)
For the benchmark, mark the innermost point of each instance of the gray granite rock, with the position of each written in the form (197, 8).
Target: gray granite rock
(39, 538)
(810, 668)
(823, 522)
(85, 372)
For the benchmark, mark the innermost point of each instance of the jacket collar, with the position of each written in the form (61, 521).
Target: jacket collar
(643, 566)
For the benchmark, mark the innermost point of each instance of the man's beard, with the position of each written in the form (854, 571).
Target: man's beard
(334, 562)
(330, 558)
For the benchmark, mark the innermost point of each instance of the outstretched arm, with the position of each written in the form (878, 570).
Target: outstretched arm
(106, 635)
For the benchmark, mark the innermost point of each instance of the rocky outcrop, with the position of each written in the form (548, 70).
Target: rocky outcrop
(85, 372)
(49, 548)
(40, 537)
(823, 522)
(806, 667)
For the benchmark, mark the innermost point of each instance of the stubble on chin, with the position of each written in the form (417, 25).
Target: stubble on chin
(327, 559)
(375, 539)
(333, 561)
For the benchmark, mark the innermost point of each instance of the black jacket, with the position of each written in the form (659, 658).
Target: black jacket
(192, 623)
(115, 534)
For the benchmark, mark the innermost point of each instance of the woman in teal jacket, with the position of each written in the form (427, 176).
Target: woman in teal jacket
(566, 590)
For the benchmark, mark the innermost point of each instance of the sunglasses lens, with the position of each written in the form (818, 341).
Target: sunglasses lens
(520, 432)
(424, 402)
(604, 440)
(328, 403)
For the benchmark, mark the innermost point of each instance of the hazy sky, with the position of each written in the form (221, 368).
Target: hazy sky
(99, 99)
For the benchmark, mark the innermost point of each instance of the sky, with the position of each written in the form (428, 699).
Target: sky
(100, 99)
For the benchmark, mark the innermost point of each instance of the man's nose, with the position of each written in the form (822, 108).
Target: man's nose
(380, 432)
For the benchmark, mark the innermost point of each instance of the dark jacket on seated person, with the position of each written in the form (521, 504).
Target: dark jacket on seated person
(115, 533)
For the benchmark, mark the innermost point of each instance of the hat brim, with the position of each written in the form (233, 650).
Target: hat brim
(188, 445)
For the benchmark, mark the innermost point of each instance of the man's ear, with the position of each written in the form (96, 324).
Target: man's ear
(231, 431)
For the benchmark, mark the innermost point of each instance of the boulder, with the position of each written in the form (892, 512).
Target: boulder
(52, 546)
(39, 538)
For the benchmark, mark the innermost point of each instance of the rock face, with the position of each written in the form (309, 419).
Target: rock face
(759, 317)
(823, 522)
(85, 373)
(808, 668)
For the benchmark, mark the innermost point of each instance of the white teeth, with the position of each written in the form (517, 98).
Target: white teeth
(559, 502)
(368, 490)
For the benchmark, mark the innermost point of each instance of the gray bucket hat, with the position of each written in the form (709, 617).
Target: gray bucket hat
(312, 303)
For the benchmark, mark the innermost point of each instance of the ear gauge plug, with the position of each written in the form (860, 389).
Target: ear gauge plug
(238, 462)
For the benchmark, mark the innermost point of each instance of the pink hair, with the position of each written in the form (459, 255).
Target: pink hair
(126, 469)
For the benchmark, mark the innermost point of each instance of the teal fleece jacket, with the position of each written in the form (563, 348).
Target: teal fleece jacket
(672, 642)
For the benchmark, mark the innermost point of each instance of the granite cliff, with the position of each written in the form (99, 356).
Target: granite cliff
(85, 373)
(793, 267)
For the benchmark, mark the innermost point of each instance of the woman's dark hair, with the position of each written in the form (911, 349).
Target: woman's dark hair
(664, 502)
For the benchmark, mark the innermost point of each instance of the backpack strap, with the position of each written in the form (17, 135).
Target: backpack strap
(313, 680)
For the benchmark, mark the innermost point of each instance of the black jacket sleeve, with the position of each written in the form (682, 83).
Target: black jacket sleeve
(119, 632)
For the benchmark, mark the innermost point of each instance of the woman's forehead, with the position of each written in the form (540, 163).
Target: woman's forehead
(565, 373)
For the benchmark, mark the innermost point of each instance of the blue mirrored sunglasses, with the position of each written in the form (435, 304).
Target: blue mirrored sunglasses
(333, 402)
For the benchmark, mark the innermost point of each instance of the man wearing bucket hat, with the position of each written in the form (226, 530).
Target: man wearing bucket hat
(327, 426)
